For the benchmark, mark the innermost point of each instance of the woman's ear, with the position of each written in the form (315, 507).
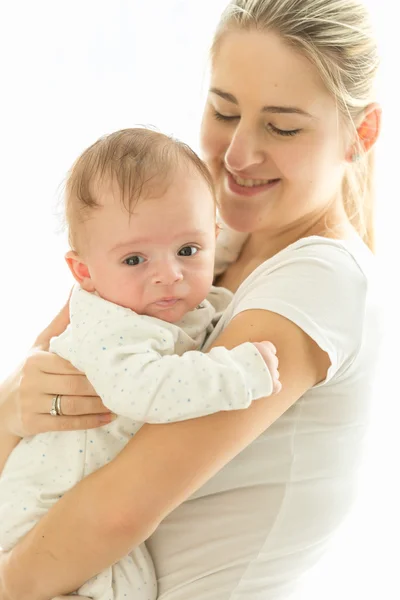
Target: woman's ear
(367, 132)
(80, 271)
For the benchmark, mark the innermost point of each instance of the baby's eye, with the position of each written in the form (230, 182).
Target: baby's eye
(133, 261)
(188, 251)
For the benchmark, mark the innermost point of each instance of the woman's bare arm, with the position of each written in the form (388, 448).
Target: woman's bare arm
(108, 513)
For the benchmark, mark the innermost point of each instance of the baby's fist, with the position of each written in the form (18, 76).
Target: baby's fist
(268, 352)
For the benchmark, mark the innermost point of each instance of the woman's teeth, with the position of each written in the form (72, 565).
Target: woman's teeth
(251, 182)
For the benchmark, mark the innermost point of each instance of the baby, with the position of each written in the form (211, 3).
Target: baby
(141, 212)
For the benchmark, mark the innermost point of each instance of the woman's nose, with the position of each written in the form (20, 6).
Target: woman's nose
(244, 151)
(167, 273)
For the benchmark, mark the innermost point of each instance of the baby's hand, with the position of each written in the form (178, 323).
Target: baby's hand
(268, 352)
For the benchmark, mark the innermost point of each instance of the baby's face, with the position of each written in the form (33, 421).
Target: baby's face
(159, 260)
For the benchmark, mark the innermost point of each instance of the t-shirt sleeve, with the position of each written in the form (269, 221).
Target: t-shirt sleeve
(319, 287)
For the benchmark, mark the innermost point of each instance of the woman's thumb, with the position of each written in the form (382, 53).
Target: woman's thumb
(56, 327)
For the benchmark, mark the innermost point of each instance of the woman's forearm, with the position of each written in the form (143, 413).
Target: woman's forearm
(80, 536)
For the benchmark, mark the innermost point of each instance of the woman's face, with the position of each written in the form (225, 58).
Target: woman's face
(270, 135)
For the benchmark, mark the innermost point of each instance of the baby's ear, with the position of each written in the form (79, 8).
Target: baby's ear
(79, 270)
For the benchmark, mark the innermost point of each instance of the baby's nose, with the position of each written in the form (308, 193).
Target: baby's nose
(168, 273)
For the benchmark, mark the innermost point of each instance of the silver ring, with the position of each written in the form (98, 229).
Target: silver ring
(58, 405)
(55, 410)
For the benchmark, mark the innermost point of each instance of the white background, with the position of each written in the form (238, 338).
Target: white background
(74, 70)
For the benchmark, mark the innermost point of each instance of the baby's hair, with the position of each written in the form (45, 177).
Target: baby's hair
(137, 160)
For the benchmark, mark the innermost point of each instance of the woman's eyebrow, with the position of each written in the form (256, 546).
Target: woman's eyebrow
(286, 110)
(224, 95)
(272, 109)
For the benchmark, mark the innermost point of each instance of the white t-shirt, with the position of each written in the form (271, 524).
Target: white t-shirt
(265, 518)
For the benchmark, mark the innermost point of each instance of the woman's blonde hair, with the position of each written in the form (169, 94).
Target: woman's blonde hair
(336, 36)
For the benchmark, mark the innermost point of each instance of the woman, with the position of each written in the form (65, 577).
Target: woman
(287, 132)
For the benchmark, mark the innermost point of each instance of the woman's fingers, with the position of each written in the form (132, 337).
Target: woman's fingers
(78, 405)
(51, 374)
(32, 422)
(65, 385)
(47, 423)
(26, 397)
(42, 377)
(78, 412)
(70, 406)
(75, 597)
(47, 362)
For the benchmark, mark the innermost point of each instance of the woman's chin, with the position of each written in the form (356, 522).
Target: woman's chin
(242, 221)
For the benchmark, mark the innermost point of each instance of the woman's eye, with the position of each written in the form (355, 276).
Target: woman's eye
(188, 251)
(283, 132)
(132, 261)
(225, 118)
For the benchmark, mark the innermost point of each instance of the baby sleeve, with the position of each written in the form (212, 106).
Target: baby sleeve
(131, 362)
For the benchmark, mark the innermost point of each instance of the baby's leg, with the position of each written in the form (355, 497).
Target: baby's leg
(43, 468)
(132, 577)
(38, 472)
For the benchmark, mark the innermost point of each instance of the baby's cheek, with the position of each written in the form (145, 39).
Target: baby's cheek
(200, 289)
(125, 290)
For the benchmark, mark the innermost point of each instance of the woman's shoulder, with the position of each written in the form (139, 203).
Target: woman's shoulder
(324, 286)
(344, 257)
(318, 273)
(311, 271)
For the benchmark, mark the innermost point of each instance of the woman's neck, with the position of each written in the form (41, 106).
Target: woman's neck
(262, 245)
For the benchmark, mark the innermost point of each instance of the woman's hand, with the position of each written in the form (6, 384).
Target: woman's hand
(26, 396)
